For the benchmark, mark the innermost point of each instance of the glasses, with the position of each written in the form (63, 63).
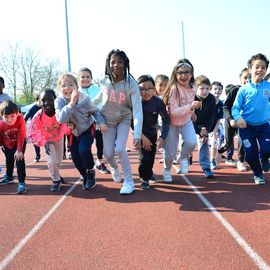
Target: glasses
(183, 72)
(146, 89)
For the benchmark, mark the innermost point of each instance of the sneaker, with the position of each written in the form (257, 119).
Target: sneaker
(55, 186)
(21, 188)
(127, 188)
(208, 173)
(241, 167)
(167, 177)
(213, 165)
(184, 166)
(259, 180)
(116, 175)
(62, 180)
(175, 162)
(265, 165)
(145, 184)
(37, 159)
(153, 179)
(7, 180)
(102, 168)
(89, 181)
(230, 162)
(222, 149)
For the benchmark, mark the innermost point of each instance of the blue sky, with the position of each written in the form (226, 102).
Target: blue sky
(220, 36)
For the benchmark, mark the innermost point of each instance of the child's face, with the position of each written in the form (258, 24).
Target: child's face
(67, 86)
(147, 90)
(216, 90)
(85, 79)
(10, 119)
(203, 90)
(184, 75)
(257, 71)
(47, 103)
(117, 66)
(244, 77)
(161, 86)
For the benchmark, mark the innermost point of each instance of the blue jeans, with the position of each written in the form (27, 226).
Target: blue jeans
(81, 150)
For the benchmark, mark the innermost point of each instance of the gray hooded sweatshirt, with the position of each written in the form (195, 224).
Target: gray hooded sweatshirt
(121, 102)
(80, 115)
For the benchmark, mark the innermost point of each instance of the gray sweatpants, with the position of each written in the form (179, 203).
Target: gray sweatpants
(114, 141)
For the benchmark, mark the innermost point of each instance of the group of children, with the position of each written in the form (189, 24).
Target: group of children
(166, 113)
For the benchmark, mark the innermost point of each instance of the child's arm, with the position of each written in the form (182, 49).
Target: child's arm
(63, 110)
(21, 133)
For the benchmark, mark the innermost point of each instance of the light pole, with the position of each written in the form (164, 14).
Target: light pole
(67, 35)
(183, 39)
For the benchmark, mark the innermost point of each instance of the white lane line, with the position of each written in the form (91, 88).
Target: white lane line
(8, 259)
(256, 258)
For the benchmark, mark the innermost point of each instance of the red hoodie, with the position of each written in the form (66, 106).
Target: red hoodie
(11, 136)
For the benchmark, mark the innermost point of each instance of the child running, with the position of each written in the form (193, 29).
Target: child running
(251, 111)
(76, 109)
(179, 98)
(95, 95)
(13, 140)
(121, 101)
(45, 130)
(205, 122)
(152, 108)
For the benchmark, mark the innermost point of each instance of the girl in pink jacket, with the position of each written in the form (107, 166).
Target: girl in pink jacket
(179, 99)
(45, 130)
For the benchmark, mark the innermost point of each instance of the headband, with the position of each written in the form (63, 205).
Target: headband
(184, 64)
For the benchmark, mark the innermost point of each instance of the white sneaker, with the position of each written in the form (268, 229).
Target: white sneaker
(167, 177)
(116, 175)
(184, 166)
(241, 167)
(127, 188)
(259, 180)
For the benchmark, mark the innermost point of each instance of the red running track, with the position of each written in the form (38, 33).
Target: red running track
(192, 223)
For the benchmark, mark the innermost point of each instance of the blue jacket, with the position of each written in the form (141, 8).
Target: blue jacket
(252, 103)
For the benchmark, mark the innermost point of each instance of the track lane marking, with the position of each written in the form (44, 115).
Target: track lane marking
(9, 258)
(255, 257)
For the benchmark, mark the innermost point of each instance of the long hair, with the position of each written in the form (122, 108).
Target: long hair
(168, 91)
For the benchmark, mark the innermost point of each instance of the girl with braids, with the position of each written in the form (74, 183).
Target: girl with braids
(179, 98)
(121, 103)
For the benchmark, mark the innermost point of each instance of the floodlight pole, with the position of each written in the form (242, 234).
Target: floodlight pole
(67, 35)
(183, 39)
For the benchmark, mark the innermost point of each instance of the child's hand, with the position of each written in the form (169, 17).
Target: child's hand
(160, 143)
(241, 123)
(196, 104)
(18, 156)
(146, 143)
(193, 117)
(103, 128)
(47, 148)
(74, 97)
(233, 123)
(136, 144)
(204, 135)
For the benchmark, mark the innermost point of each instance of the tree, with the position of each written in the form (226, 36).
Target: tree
(27, 72)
